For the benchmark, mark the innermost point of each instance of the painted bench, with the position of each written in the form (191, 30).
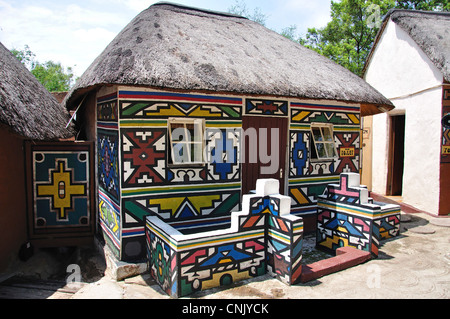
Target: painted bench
(263, 238)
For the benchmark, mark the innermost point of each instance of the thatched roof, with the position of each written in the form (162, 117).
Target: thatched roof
(430, 30)
(178, 47)
(26, 106)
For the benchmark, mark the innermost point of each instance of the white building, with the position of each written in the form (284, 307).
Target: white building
(410, 64)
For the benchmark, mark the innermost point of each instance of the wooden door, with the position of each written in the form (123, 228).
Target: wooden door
(396, 155)
(265, 149)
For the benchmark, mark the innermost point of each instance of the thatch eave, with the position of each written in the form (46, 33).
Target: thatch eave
(26, 106)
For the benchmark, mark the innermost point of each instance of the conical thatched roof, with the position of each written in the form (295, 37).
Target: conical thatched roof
(26, 106)
(178, 47)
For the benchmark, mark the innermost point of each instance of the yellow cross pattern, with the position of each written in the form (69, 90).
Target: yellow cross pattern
(61, 189)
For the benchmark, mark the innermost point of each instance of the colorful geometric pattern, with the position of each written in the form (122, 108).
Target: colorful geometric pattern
(304, 195)
(302, 168)
(107, 111)
(222, 151)
(284, 251)
(143, 156)
(108, 167)
(60, 185)
(175, 207)
(298, 157)
(163, 261)
(305, 116)
(61, 188)
(134, 155)
(109, 219)
(265, 237)
(347, 145)
(141, 105)
(386, 227)
(266, 107)
(219, 265)
(335, 114)
(336, 230)
(348, 217)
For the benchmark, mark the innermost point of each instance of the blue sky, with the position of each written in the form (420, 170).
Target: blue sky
(75, 32)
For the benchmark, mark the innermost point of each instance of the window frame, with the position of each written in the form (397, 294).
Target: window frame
(321, 127)
(189, 144)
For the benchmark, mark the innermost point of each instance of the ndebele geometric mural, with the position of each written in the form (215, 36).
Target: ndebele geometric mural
(263, 237)
(348, 217)
(60, 190)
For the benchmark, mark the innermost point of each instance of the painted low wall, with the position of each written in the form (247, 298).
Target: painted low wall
(263, 238)
(348, 217)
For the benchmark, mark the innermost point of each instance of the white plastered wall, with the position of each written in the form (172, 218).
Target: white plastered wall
(403, 73)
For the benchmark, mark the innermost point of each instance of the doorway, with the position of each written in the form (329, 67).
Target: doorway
(264, 150)
(396, 155)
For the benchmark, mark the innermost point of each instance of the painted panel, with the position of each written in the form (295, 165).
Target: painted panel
(145, 162)
(335, 114)
(143, 156)
(145, 105)
(183, 206)
(308, 177)
(163, 261)
(108, 165)
(266, 107)
(60, 186)
(109, 220)
(348, 148)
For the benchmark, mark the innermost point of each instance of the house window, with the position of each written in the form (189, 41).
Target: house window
(186, 141)
(322, 142)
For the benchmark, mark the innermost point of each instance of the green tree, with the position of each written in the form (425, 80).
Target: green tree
(53, 76)
(429, 5)
(349, 36)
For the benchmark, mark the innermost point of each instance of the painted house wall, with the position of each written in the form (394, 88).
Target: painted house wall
(399, 69)
(12, 196)
(135, 177)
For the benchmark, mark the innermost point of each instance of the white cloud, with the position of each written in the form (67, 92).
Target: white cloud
(302, 13)
(138, 5)
(75, 32)
(65, 33)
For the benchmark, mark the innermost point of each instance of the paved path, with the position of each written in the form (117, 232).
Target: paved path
(414, 265)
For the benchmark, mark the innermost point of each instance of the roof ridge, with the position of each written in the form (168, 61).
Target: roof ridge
(190, 8)
(419, 12)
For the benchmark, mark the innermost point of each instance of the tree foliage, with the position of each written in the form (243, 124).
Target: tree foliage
(349, 36)
(53, 76)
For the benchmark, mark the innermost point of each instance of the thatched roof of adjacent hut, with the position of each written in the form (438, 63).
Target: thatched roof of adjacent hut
(177, 47)
(26, 106)
(430, 30)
